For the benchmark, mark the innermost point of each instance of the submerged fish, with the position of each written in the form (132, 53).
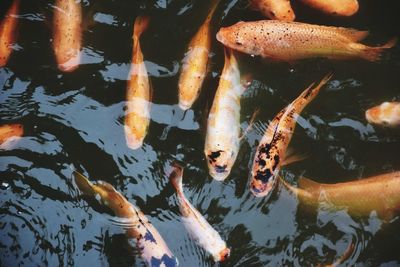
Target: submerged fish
(387, 114)
(67, 23)
(379, 193)
(195, 63)
(289, 41)
(138, 91)
(152, 246)
(334, 7)
(223, 124)
(275, 9)
(199, 229)
(271, 151)
(8, 33)
(8, 131)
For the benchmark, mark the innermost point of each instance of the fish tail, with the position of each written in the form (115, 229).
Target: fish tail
(84, 184)
(314, 89)
(375, 53)
(141, 24)
(213, 7)
(175, 177)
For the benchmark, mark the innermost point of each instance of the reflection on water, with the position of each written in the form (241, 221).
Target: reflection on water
(75, 120)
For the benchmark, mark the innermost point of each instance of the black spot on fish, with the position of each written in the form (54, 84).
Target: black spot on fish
(238, 43)
(213, 155)
(165, 260)
(263, 176)
(149, 237)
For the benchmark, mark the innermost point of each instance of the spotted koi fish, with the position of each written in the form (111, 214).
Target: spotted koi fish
(138, 91)
(334, 7)
(387, 114)
(270, 154)
(199, 229)
(223, 125)
(290, 41)
(8, 131)
(275, 9)
(195, 63)
(8, 33)
(67, 23)
(152, 246)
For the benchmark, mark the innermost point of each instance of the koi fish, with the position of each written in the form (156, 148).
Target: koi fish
(8, 131)
(379, 193)
(199, 229)
(152, 246)
(270, 154)
(290, 41)
(8, 33)
(195, 62)
(138, 91)
(223, 125)
(67, 33)
(387, 114)
(275, 9)
(334, 7)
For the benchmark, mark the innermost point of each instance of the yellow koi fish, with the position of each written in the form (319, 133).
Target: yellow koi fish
(194, 67)
(138, 92)
(334, 7)
(152, 246)
(199, 229)
(270, 154)
(8, 131)
(8, 33)
(387, 114)
(67, 23)
(275, 9)
(223, 125)
(290, 41)
(379, 193)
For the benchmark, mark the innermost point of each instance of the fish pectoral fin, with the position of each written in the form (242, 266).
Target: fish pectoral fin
(292, 157)
(83, 183)
(307, 184)
(251, 122)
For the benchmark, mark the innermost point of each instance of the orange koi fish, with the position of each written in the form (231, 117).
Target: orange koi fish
(223, 124)
(152, 246)
(8, 131)
(387, 114)
(334, 7)
(290, 41)
(275, 9)
(67, 23)
(8, 33)
(199, 229)
(379, 193)
(194, 67)
(270, 154)
(138, 91)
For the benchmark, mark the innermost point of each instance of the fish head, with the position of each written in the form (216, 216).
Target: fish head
(222, 255)
(276, 10)
(264, 174)
(383, 114)
(237, 37)
(220, 162)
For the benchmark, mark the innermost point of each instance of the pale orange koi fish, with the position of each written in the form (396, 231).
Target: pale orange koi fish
(386, 114)
(199, 229)
(8, 131)
(271, 150)
(334, 7)
(379, 193)
(275, 9)
(152, 246)
(223, 124)
(8, 33)
(67, 31)
(290, 41)
(138, 91)
(194, 68)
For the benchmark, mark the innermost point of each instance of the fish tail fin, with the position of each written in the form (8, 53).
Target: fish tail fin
(175, 177)
(314, 88)
(305, 183)
(375, 53)
(141, 24)
(213, 7)
(84, 184)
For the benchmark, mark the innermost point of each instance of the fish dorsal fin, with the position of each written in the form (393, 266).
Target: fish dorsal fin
(308, 184)
(353, 34)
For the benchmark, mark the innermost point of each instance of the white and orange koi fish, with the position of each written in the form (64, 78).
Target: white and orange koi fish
(334, 7)
(195, 63)
(275, 9)
(67, 34)
(8, 33)
(386, 114)
(152, 246)
(271, 151)
(223, 124)
(199, 229)
(138, 91)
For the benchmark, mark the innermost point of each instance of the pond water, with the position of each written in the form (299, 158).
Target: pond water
(75, 121)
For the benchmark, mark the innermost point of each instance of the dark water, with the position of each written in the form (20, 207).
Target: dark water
(75, 120)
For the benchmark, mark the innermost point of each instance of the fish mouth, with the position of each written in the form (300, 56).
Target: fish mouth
(184, 105)
(131, 140)
(219, 176)
(220, 36)
(261, 190)
(71, 64)
(223, 255)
